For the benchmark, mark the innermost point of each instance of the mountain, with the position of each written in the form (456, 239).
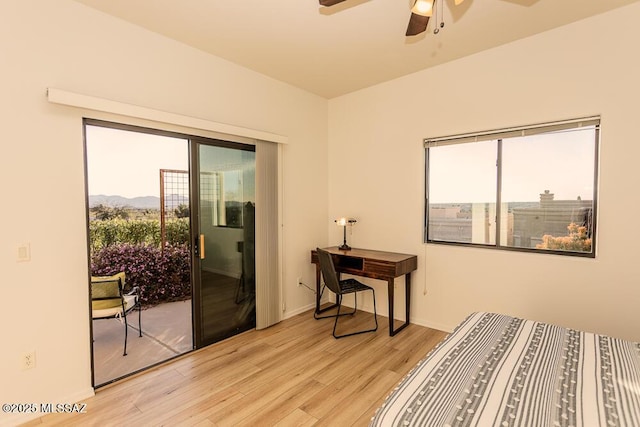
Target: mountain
(145, 202)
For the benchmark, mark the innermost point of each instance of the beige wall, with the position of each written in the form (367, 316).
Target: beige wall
(372, 168)
(65, 45)
(376, 173)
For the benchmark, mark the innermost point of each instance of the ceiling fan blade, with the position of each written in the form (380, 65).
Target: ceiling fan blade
(330, 2)
(417, 24)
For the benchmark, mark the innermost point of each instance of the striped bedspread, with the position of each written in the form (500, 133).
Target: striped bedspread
(495, 370)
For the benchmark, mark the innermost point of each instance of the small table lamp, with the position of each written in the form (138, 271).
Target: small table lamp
(343, 222)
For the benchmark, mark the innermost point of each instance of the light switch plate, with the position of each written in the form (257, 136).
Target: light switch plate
(24, 253)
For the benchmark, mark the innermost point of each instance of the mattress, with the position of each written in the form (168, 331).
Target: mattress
(496, 370)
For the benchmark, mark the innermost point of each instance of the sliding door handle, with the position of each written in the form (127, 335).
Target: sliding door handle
(201, 246)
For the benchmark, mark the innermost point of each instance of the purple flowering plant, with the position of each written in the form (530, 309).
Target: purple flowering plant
(161, 275)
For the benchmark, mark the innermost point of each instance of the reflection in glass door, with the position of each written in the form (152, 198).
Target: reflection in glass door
(224, 246)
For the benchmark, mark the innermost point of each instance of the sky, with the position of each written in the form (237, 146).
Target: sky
(127, 163)
(562, 163)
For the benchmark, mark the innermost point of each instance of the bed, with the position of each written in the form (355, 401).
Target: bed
(496, 370)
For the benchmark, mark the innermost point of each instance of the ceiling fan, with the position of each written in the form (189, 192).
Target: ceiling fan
(420, 14)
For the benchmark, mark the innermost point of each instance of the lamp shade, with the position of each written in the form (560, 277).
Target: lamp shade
(423, 7)
(341, 222)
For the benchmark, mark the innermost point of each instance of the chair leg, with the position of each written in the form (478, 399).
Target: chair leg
(335, 323)
(375, 318)
(140, 320)
(375, 312)
(315, 315)
(126, 332)
(240, 285)
(350, 313)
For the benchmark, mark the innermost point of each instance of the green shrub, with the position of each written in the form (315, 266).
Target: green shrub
(109, 232)
(178, 231)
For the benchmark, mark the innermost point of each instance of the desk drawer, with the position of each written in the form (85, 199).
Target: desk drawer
(380, 268)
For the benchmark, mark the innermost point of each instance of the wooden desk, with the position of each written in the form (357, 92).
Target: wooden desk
(377, 265)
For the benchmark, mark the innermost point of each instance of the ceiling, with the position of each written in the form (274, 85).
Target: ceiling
(350, 46)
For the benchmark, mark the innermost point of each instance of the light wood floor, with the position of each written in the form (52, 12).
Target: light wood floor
(292, 374)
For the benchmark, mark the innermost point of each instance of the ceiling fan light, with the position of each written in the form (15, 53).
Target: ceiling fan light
(423, 7)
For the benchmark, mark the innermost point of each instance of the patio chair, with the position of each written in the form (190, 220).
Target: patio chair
(108, 301)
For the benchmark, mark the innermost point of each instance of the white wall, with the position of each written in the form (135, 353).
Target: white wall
(65, 45)
(376, 170)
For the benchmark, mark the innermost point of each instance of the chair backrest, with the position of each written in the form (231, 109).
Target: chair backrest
(107, 291)
(329, 271)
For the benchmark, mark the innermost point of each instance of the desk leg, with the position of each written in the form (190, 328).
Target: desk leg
(390, 296)
(407, 290)
(318, 288)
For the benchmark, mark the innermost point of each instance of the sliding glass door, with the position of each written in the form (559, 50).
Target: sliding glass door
(224, 239)
(185, 242)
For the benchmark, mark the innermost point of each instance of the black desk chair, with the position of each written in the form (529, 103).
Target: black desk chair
(343, 287)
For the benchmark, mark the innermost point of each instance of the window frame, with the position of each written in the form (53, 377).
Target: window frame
(499, 136)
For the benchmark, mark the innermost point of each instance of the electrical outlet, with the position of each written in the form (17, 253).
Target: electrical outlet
(29, 360)
(299, 281)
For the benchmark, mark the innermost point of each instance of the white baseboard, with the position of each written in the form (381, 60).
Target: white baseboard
(288, 314)
(433, 325)
(17, 419)
(312, 306)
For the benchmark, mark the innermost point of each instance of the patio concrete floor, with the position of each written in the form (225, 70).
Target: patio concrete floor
(166, 333)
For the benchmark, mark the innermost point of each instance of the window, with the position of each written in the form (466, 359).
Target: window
(528, 189)
(222, 191)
